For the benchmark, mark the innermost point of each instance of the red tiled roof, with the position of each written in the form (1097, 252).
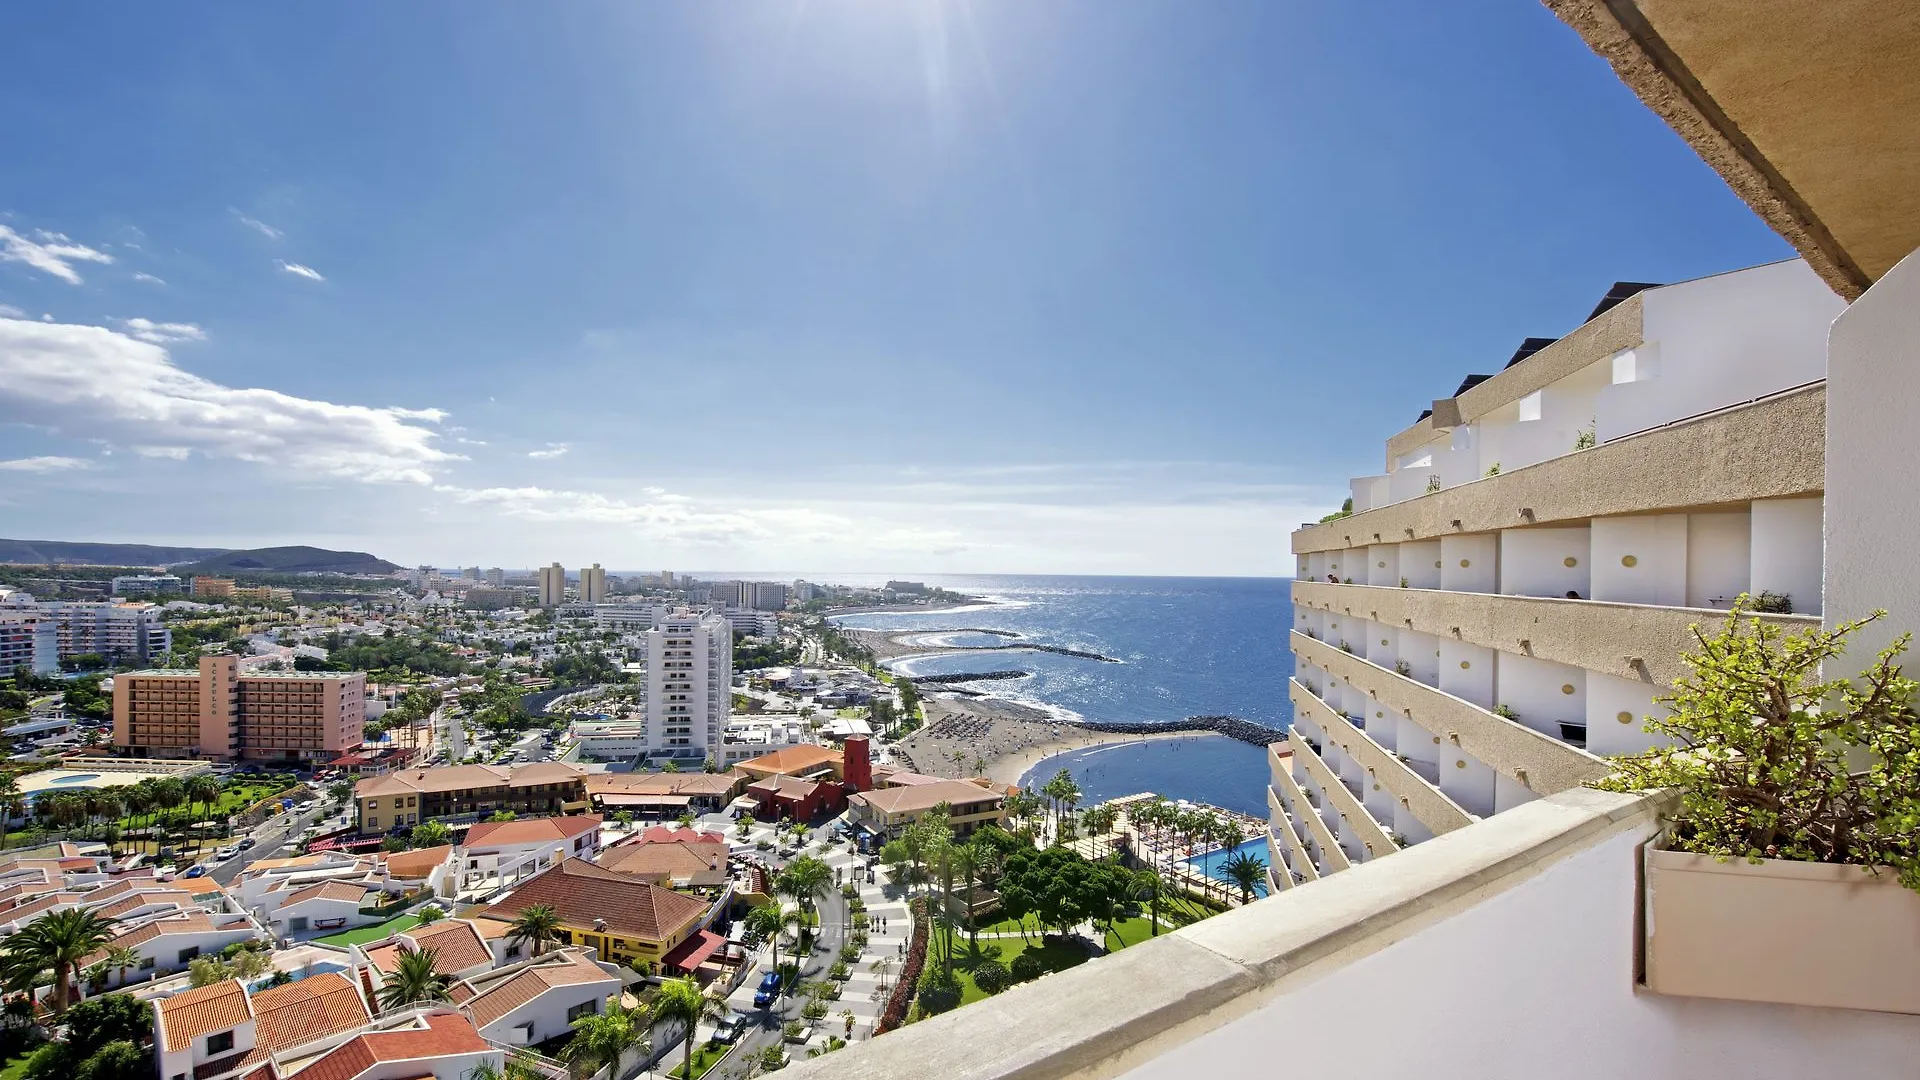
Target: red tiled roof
(445, 1035)
(500, 999)
(692, 952)
(307, 1009)
(792, 759)
(188, 1015)
(530, 830)
(582, 893)
(417, 863)
(783, 787)
(455, 944)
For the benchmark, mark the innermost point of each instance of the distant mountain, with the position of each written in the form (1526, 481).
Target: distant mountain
(287, 560)
(61, 551)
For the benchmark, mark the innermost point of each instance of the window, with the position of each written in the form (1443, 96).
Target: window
(585, 1008)
(297, 924)
(187, 954)
(147, 963)
(513, 951)
(219, 1042)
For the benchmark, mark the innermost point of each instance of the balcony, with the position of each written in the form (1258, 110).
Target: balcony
(1316, 834)
(1370, 834)
(1419, 794)
(1541, 764)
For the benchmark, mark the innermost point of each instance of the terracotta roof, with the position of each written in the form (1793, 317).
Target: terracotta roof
(463, 777)
(194, 922)
(543, 772)
(142, 899)
(664, 783)
(418, 863)
(792, 759)
(327, 890)
(188, 1015)
(701, 863)
(491, 929)
(663, 834)
(921, 797)
(541, 830)
(307, 1009)
(530, 982)
(445, 1035)
(784, 787)
(580, 893)
(456, 946)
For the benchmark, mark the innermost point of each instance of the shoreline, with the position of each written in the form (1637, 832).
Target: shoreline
(1001, 740)
(1011, 767)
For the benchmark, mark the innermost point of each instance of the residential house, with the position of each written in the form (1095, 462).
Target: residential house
(536, 1000)
(463, 793)
(970, 803)
(223, 1030)
(620, 916)
(170, 941)
(497, 853)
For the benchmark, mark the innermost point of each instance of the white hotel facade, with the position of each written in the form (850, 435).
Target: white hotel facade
(1508, 598)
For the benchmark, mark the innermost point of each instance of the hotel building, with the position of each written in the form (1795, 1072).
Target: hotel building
(218, 712)
(593, 584)
(1507, 599)
(553, 585)
(125, 631)
(689, 664)
(466, 793)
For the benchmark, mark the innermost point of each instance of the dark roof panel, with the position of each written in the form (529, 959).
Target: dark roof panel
(1620, 291)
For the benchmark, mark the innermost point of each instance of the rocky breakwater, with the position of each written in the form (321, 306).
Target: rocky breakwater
(1232, 727)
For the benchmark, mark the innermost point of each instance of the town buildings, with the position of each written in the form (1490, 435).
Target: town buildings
(146, 584)
(593, 584)
(212, 588)
(460, 793)
(623, 918)
(31, 642)
(1505, 602)
(125, 631)
(219, 712)
(688, 657)
(502, 852)
(552, 586)
(970, 804)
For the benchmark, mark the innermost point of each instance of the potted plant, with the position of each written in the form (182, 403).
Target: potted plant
(1791, 869)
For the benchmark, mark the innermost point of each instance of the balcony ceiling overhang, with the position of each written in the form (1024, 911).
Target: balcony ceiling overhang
(1810, 110)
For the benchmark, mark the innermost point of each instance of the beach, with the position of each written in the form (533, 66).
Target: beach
(1007, 737)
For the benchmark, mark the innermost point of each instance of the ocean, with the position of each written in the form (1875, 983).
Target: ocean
(1187, 646)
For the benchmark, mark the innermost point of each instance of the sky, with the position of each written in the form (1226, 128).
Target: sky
(966, 286)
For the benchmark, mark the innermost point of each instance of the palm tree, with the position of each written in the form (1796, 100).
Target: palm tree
(430, 834)
(1150, 888)
(602, 1039)
(536, 927)
(682, 1000)
(882, 967)
(806, 880)
(966, 860)
(203, 789)
(168, 794)
(120, 958)
(10, 804)
(58, 941)
(414, 979)
(1246, 872)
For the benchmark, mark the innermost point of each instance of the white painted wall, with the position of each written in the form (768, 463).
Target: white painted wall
(1535, 981)
(1469, 563)
(1509, 793)
(1466, 780)
(1420, 563)
(1370, 491)
(1544, 424)
(1543, 693)
(1535, 562)
(1466, 672)
(1786, 551)
(1609, 698)
(1873, 493)
(1720, 557)
(1382, 644)
(1640, 560)
(1383, 565)
(1722, 340)
(1422, 654)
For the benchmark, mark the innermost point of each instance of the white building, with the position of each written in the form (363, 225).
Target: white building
(689, 664)
(29, 641)
(553, 585)
(146, 584)
(634, 615)
(129, 631)
(496, 577)
(764, 595)
(500, 853)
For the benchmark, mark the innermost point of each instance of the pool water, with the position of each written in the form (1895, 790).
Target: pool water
(76, 778)
(1210, 863)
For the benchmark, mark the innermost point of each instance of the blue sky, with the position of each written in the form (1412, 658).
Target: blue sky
(916, 285)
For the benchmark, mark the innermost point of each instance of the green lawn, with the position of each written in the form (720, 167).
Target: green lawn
(15, 1067)
(362, 935)
(705, 1056)
(1055, 957)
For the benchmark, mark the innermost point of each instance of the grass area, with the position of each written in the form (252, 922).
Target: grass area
(1055, 957)
(15, 1067)
(363, 934)
(705, 1057)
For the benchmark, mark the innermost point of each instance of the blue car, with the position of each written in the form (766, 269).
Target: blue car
(769, 991)
(196, 870)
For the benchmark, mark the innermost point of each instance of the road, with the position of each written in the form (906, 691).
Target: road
(764, 1025)
(269, 837)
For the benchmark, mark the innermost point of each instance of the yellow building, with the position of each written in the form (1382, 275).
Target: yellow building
(623, 917)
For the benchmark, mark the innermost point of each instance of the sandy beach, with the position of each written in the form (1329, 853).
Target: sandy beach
(1008, 737)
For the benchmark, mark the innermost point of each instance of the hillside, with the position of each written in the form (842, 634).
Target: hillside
(288, 560)
(44, 552)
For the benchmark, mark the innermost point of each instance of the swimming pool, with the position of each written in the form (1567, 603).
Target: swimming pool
(76, 778)
(1210, 863)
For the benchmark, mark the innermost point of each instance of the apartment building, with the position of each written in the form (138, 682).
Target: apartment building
(123, 630)
(212, 588)
(1506, 601)
(464, 793)
(552, 585)
(220, 712)
(688, 657)
(593, 584)
(145, 584)
(30, 642)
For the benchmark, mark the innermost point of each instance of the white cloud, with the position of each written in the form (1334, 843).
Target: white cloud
(92, 381)
(8, 311)
(304, 271)
(148, 278)
(50, 251)
(169, 453)
(553, 450)
(44, 464)
(163, 333)
(259, 226)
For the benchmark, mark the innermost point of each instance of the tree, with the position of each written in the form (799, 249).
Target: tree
(117, 1060)
(745, 825)
(1774, 762)
(10, 804)
(1246, 872)
(682, 1001)
(536, 927)
(806, 880)
(602, 1039)
(430, 914)
(94, 1023)
(991, 976)
(430, 834)
(414, 979)
(57, 942)
(203, 789)
(1150, 889)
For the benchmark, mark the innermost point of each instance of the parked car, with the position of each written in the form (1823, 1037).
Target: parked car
(246, 843)
(225, 853)
(730, 1027)
(769, 991)
(196, 870)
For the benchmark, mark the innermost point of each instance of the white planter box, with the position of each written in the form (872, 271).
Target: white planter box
(1791, 933)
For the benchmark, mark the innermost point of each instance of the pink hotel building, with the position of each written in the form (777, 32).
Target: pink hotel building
(218, 713)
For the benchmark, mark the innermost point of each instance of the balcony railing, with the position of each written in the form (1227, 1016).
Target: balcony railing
(1428, 804)
(1376, 838)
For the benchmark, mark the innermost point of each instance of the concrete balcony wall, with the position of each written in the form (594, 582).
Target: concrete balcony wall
(1370, 491)
(1467, 672)
(1470, 563)
(1421, 651)
(1640, 560)
(1544, 562)
(1616, 714)
(1383, 565)
(1719, 558)
(1542, 694)
(1406, 787)
(1382, 644)
(1767, 450)
(1545, 423)
(1420, 563)
(1786, 552)
(1412, 482)
(1466, 780)
(1360, 835)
